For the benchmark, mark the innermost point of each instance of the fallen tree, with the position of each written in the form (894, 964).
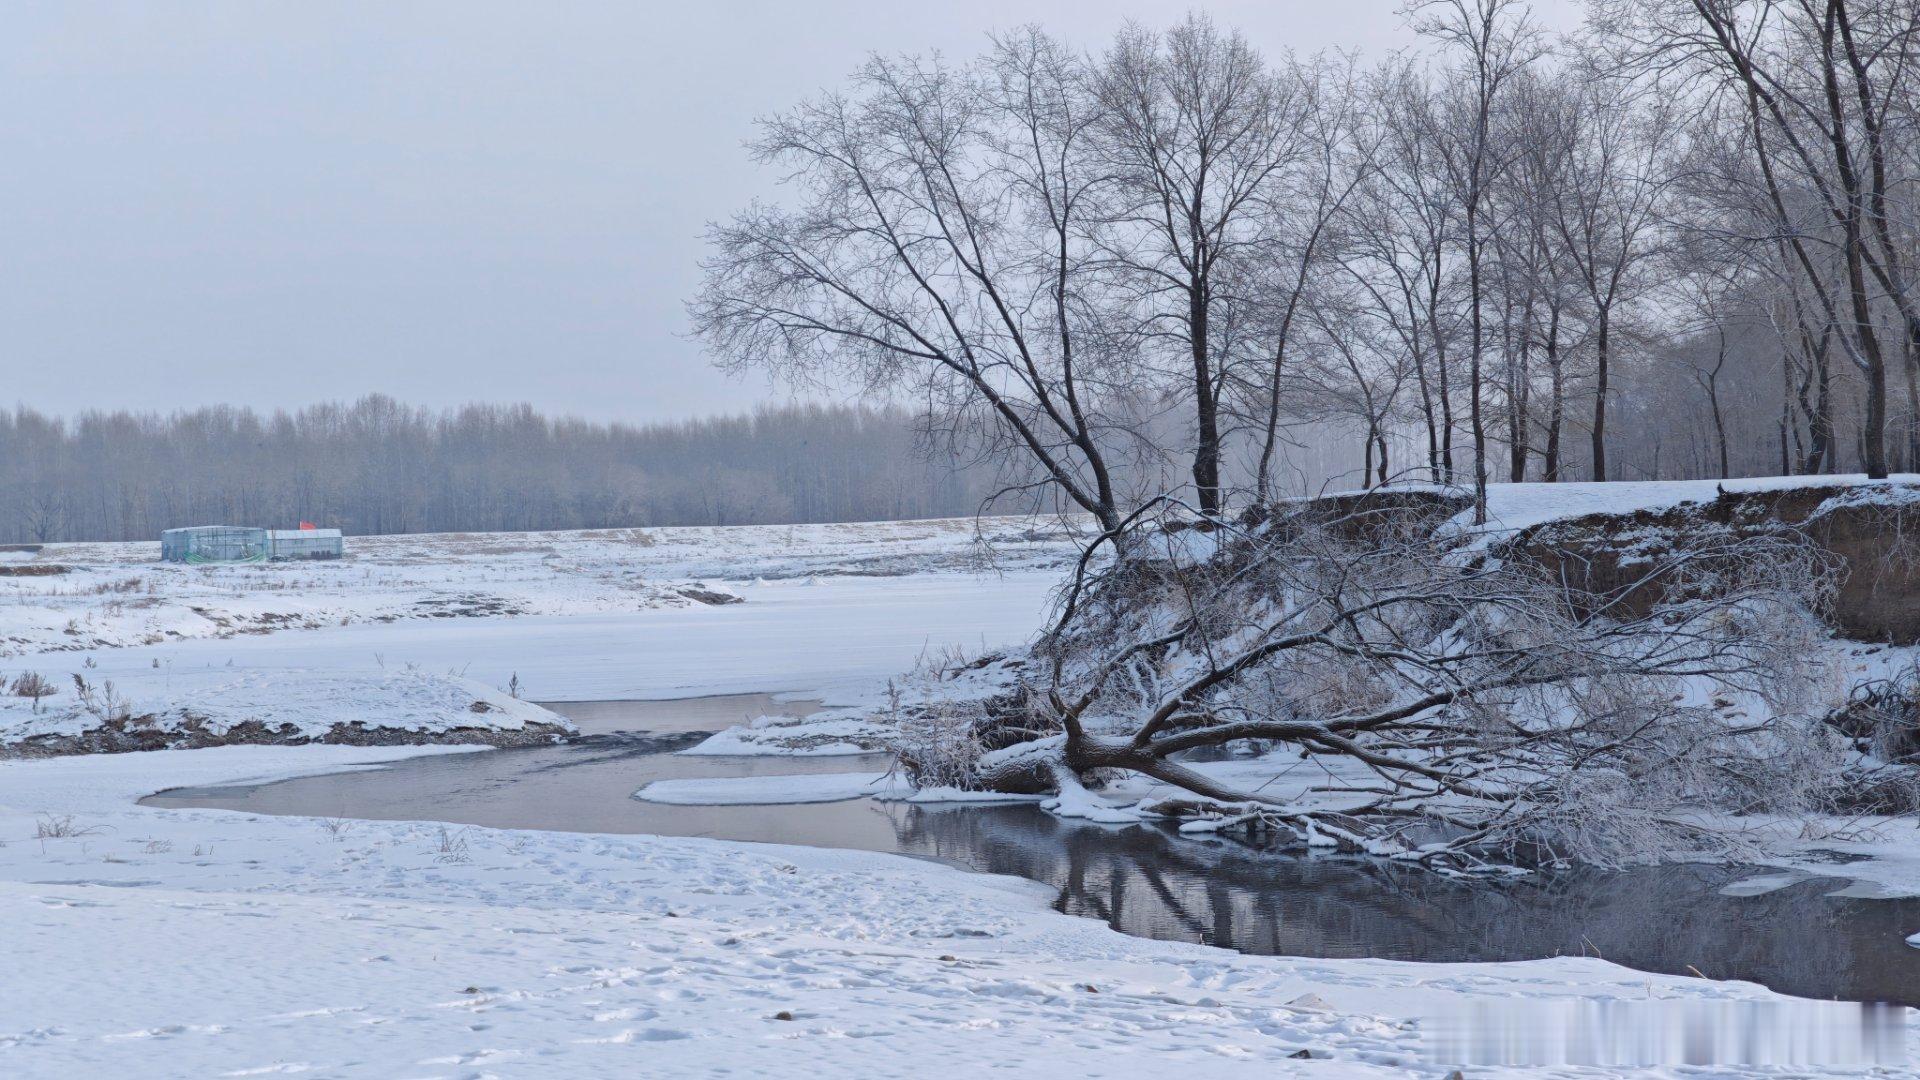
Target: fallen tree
(1456, 704)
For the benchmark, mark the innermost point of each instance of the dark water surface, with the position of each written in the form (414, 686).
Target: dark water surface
(1143, 879)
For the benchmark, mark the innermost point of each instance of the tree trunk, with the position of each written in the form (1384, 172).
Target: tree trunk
(1473, 371)
(1601, 360)
(1786, 412)
(1719, 426)
(1556, 412)
(1426, 413)
(1873, 431)
(1820, 450)
(1519, 400)
(1873, 434)
(1713, 400)
(1446, 389)
(1206, 449)
(1913, 394)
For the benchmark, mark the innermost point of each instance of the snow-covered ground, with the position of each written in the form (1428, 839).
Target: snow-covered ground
(150, 942)
(551, 616)
(290, 705)
(153, 943)
(112, 595)
(1513, 507)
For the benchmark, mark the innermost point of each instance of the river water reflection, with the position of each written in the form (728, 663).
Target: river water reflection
(1144, 880)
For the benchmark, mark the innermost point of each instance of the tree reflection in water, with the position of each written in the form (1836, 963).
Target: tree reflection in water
(1151, 882)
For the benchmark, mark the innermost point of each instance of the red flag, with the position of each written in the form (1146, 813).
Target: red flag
(308, 525)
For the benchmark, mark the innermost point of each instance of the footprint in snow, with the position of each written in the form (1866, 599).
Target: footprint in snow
(630, 1035)
(148, 1033)
(625, 1014)
(310, 1014)
(472, 1057)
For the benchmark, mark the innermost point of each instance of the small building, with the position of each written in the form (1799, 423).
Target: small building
(215, 544)
(244, 544)
(304, 544)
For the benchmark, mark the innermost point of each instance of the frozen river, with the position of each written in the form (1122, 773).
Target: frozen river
(1142, 879)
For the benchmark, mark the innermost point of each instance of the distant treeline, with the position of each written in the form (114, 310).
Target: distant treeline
(377, 466)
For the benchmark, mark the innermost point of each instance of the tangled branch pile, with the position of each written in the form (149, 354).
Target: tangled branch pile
(1454, 703)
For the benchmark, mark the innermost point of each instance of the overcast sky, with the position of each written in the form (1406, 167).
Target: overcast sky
(277, 203)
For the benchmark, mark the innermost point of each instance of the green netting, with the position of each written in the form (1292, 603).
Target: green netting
(205, 544)
(194, 558)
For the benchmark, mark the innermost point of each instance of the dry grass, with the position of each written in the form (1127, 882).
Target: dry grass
(61, 827)
(452, 846)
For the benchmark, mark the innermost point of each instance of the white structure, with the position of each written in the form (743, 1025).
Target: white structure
(244, 544)
(304, 544)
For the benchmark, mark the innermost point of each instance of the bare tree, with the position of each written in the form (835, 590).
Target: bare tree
(1198, 131)
(943, 242)
(1352, 375)
(1607, 216)
(1395, 234)
(1533, 264)
(1495, 42)
(1821, 85)
(1339, 156)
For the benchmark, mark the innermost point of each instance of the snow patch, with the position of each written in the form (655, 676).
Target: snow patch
(1512, 508)
(771, 790)
(1075, 801)
(1761, 884)
(929, 796)
(373, 949)
(290, 702)
(771, 736)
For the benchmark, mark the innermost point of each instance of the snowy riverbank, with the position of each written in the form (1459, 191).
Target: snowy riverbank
(206, 943)
(195, 943)
(382, 637)
(216, 706)
(75, 598)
